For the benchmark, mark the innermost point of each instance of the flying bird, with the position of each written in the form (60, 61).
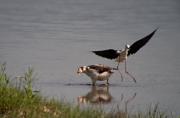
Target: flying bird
(97, 72)
(122, 55)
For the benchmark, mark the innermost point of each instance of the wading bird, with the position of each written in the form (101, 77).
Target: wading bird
(97, 72)
(121, 55)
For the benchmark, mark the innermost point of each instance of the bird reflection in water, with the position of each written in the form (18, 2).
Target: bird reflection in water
(97, 95)
(128, 100)
(101, 95)
(123, 111)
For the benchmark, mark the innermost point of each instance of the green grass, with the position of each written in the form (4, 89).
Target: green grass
(20, 101)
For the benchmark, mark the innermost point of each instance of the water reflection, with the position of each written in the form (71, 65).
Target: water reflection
(123, 108)
(97, 95)
(127, 101)
(101, 94)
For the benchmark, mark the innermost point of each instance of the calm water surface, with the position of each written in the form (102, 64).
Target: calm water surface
(56, 36)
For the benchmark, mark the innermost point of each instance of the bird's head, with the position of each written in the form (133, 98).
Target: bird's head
(82, 69)
(127, 46)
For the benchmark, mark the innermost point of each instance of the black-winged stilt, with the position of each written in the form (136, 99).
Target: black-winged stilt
(121, 55)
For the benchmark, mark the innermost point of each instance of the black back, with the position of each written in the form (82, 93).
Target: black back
(109, 53)
(140, 43)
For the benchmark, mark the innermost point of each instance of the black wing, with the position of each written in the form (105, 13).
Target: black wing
(140, 43)
(109, 53)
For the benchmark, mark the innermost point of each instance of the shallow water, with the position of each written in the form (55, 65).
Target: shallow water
(56, 36)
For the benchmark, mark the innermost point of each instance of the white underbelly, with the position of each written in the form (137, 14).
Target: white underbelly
(99, 76)
(103, 76)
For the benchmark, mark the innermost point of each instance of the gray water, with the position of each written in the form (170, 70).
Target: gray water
(56, 36)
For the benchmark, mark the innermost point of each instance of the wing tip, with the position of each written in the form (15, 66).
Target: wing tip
(156, 29)
(95, 52)
(148, 36)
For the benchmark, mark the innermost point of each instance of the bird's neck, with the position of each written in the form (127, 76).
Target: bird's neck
(126, 49)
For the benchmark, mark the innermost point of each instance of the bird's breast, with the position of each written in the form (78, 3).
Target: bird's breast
(122, 56)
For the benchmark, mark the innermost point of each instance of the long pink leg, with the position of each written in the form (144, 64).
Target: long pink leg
(117, 68)
(129, 73)
(122, 78)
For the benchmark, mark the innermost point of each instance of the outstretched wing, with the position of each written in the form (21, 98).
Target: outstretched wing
(140, 43)
(109, 53)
